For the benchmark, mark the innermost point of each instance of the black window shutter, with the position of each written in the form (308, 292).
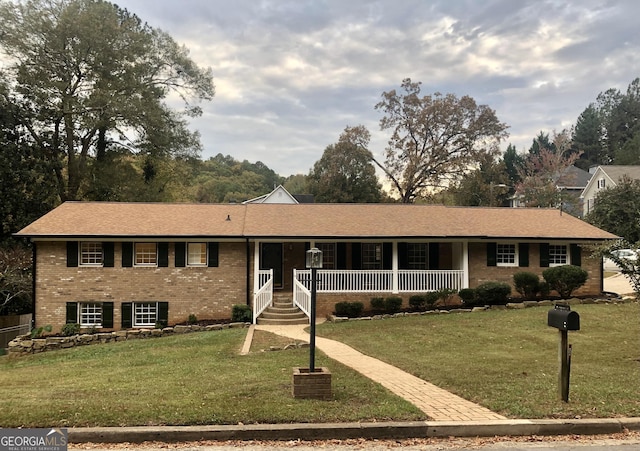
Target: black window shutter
(341, 256)
(163, 313)
(576, 255)
(107, 254)
(212, 257)
(126, 314)
(403, 261)
(72, 313)
(107, 315)
(523, 255)
(544, 255)
(492, 249)
(387, 255)
(163, 255)
(181, 252)
(72, 254)
(127, 255)
(356, 255)
(434, 255)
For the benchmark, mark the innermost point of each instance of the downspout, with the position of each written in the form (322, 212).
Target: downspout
(248, 285)
(33, 287)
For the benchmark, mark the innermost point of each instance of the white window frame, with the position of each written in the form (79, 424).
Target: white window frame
(93, 252)
(567, 256)
(602, 183)
(189, 254)
(143, 312)
(500, 254)
(328, 255)
(135, 254)
(90, 310)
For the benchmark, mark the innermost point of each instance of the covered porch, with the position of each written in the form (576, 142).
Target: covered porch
(356, 268)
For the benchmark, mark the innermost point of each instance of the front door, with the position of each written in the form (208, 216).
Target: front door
(271, 258)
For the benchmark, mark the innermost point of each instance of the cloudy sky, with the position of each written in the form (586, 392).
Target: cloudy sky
(291, 74)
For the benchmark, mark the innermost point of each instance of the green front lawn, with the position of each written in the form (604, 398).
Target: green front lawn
(187, 379)
(508, 360)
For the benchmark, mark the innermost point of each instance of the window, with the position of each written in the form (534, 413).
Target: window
(145, 314)
(90, 253)
(417, 255)
(557, 255)
(371, 256)
(146, 254)
(90, 314)
(328, 255)
(506, 255)
(197, 254)
(601, 183)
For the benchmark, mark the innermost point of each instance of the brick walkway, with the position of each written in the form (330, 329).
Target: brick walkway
(436, 403)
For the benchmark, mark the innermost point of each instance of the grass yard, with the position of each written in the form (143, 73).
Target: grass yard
(508, 360)
(187, 379)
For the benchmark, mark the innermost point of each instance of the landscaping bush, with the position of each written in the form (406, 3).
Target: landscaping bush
(418, 302)
(392, 304)
(565, 279)
(445, 295)
(193, 319)
(431, 298)
(377, 304)
(241, 313)
(468, 296)
(527, 284)
(493, 293)
(70, 329)
(349, 309)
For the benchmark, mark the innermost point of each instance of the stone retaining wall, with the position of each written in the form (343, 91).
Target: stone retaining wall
(24, 344)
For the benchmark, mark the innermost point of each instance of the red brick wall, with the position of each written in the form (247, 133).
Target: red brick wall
(208, 293)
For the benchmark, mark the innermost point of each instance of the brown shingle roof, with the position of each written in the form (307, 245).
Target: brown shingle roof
(79, 219)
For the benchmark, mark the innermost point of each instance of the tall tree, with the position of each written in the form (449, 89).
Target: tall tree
(89, 77)
(434, 138)
(488, 185)
(587, 139)
(513, 162)
(344, 174)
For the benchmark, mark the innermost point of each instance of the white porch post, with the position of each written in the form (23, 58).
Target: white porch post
(256, 267)
(465, 264)
(394, 267)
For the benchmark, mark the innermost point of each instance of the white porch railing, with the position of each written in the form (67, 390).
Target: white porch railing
(353, 281)
(302, 294)
(263, 298)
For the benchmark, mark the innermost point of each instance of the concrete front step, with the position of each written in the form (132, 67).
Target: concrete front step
(275, 315)
(282, 322)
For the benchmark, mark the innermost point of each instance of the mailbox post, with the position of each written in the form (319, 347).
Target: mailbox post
(563, 319)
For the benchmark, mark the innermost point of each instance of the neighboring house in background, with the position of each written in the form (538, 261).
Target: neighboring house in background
(603, 177)
(570, 184)
(122, 265)
(281, 196)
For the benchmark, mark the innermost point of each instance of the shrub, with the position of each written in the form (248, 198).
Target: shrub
(70, 329)
(565, 279)
(432, 297)
(39, 331)
(349, 309)
(392, 304)
(241, 313)
(444, 295)
(192, 319)
(377, 304)
(493, 293)
(418, 301)
(527, 284)
(468, 296)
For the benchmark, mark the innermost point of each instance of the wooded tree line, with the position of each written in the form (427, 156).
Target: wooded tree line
(84, 116)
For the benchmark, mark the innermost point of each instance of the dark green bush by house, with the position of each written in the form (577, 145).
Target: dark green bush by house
(418, 302)
(565, 279)
(468, 296)
(493, 293)
(241, 313)
(392, 304)
(377, 304)
(70, 329)
(527, 284)
(349, 309)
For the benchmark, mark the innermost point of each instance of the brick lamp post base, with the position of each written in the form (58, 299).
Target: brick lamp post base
(316, 385)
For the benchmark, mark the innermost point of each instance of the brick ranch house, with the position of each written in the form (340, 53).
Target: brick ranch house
(122, 265)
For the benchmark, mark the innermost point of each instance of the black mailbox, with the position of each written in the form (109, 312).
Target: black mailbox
(563, 319)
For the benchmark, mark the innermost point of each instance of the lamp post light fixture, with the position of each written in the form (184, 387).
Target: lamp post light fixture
(314, 262)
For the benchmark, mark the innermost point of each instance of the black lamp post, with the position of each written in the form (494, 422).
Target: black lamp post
(314, 261)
